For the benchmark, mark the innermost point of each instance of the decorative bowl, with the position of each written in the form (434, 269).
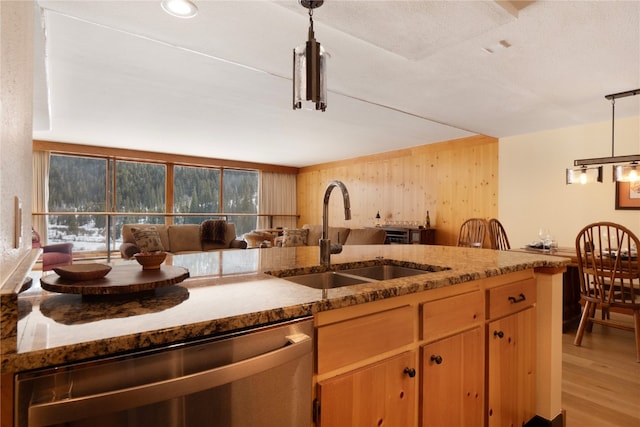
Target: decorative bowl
(150, 260)
(83, 272)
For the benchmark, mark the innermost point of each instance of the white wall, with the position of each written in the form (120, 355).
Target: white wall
(16, 89)
(532, 189)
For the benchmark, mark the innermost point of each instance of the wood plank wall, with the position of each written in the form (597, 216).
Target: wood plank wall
(453, 180)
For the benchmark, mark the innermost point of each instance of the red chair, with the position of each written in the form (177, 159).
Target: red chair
(52, 255)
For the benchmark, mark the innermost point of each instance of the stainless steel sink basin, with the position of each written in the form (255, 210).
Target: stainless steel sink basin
(353, 276)
(327, 280)
(384, 272)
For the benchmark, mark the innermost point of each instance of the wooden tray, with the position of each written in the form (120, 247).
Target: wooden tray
(123, 279)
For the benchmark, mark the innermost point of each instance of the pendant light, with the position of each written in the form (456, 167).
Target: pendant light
(590, 170)
(309, 68)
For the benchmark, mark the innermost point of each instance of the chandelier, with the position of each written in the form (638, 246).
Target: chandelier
(590, 170)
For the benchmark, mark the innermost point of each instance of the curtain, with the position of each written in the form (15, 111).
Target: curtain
(40, 195)
(277, 196)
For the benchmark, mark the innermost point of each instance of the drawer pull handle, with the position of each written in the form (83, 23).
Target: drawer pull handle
(437, 359)
(498, 334)
(410, 371)
(515, 300)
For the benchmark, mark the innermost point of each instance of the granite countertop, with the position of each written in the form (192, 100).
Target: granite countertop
(227, 291)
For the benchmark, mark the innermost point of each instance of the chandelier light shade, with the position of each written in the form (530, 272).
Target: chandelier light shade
(625, 172)
(179, 8)
(310, 68)
(584, 175)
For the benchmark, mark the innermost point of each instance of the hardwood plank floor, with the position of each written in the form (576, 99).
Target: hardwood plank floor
(601, 378)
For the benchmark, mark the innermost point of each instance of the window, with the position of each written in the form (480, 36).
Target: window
(76, 185)
(195, 190)
(140, 188)
(240, 195)
(95, 196)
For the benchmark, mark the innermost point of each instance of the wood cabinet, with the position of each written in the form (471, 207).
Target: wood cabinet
(452, 368)
(422, 236)
(381, 394)
(511, 342)
(403, 235)
(456, 356)
(453, 380)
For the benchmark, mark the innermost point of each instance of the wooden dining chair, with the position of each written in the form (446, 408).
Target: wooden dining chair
(472, 233)
(609, 271)
(498, 236)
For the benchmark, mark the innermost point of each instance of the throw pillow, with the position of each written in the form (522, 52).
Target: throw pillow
(147, 239)
(295, 237)
(213, 230)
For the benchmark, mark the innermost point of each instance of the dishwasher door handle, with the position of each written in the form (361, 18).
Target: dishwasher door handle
(43, 414)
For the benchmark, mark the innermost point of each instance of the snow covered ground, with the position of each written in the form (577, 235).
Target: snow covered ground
(87, 239)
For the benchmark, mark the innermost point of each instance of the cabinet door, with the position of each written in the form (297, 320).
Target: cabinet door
(453, 381)
(382, 394)
(511, 373)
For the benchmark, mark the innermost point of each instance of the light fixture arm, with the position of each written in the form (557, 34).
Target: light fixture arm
(613, 127)
(312, 36)
(613, 98)
(613, 159)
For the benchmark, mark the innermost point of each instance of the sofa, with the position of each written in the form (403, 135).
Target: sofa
(310, 234)
(175, 239)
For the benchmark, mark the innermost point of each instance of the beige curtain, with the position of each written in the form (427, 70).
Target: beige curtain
(277, 196)
(40, 196)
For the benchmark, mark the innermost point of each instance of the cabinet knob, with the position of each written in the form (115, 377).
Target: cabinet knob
(436, 358)
(410, 371)
(498, 334)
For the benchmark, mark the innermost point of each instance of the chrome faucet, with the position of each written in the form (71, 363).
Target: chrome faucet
(325, 244)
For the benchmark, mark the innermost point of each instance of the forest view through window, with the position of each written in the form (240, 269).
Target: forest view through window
(80, 188)
(77, 184)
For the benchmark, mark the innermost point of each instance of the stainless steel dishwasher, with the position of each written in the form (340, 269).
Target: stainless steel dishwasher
(259, 378)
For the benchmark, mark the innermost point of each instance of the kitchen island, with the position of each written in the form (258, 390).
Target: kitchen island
(231, 290)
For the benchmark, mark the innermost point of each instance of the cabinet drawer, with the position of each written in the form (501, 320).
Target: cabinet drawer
(349, 341)
(442, 317)
(511, 298)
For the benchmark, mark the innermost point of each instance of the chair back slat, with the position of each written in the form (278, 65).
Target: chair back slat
(498, 236)
(472, 233)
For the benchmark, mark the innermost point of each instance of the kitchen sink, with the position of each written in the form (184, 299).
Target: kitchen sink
(327, 280)
(345, 276)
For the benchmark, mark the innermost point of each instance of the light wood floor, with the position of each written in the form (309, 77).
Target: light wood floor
(601, 379)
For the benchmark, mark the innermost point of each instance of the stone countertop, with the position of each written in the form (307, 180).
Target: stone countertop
(227, 291)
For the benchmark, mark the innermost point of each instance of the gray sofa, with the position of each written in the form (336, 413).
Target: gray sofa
(179, 239)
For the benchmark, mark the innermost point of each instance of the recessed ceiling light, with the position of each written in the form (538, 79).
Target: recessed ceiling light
(180, 8)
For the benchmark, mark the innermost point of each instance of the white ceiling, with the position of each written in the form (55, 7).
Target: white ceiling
(401, 74)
